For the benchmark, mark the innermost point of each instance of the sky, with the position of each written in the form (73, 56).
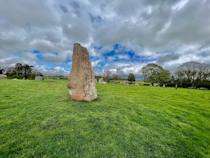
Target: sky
(122, 36)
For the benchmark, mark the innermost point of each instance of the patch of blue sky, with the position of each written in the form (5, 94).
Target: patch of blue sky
(121, 53)
(95, 19)
(47, 64)
(38, 54)
(97, 47)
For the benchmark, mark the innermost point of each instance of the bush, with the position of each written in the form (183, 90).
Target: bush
(203, 84)
(131, 78)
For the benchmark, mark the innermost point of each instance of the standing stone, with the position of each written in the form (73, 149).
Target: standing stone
(82, 85)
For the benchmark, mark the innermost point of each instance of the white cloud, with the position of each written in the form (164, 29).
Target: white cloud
(57, 70)
(179, 5)
(173, 29)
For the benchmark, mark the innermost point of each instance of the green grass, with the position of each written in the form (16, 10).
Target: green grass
(38, 120)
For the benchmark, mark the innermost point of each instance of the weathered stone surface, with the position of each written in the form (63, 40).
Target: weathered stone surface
(82, 85)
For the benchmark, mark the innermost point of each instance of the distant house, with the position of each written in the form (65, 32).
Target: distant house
(39, 77)
(124, 82)
(3, 77)
(101, 80)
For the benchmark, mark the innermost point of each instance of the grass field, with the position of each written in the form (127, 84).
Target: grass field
(38, 120)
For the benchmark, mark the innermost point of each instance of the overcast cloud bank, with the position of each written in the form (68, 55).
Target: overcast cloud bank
(121, 36)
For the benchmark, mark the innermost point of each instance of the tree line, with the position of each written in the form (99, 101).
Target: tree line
(189, 74)
(20, 71)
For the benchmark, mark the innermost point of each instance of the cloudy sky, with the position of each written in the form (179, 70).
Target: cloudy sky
(121, 35)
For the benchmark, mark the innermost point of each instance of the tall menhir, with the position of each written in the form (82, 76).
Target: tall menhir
(82, 84)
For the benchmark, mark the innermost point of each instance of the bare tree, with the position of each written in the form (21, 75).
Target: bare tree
(131, 77)
(115, 76)
(19, 70)
(107, 76)
(27, 69)
(192, 73)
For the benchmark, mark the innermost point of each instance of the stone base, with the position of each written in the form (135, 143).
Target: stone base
(82, 98)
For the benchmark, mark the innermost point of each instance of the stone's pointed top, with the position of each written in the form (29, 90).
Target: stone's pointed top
(78, 48)
(77, 44)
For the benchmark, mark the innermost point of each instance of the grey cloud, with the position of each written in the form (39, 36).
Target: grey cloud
(55, 57)
(22, 12)
(167, 58)
(64, 9)
(57, 70)
(149, 27)
(186, 27)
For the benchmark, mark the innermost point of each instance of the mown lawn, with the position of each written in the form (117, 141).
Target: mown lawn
(38, 120)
